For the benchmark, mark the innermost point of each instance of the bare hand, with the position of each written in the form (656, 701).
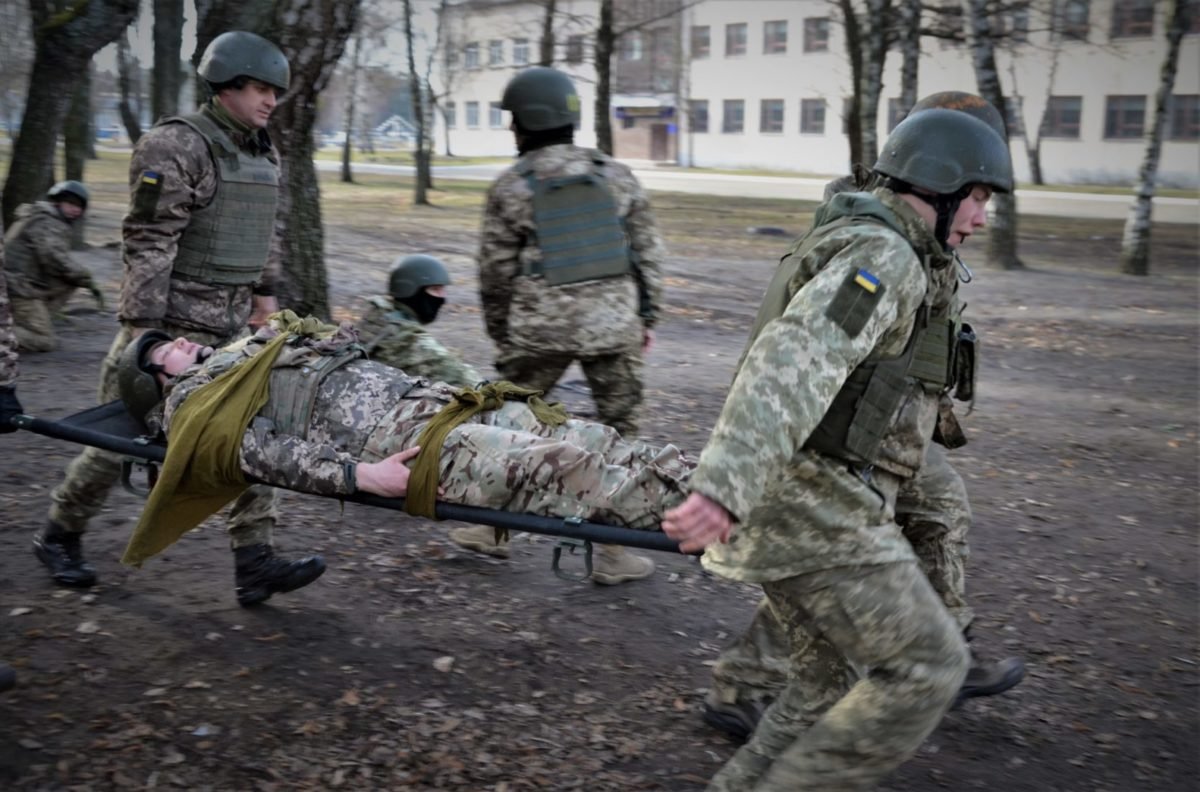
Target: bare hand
(262, 307)
(698, 522)
(647, 340)
(387, 477)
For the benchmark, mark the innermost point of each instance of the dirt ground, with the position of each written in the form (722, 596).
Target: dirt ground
(412, 665)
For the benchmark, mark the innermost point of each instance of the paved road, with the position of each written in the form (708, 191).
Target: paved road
(1031, 202)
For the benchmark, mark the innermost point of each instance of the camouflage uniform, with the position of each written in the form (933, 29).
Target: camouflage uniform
(539, 331)
(186, 182)
(501, 459)
(43, 275)
(392, 335)
(8, 341)
(820, 534)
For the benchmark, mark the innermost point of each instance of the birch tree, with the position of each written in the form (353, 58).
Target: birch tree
(421, 152)
(67, 35)
(166, 79)
(546, 42)
(16, 58)
(1135, 246)
(908, 36)
(874, 55)
(351, 102)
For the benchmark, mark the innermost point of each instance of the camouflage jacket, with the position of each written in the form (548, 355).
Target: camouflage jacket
(789, 377)
(50, 271)
(185, 179)
(584, 318)
(8, 341)
(392, 335)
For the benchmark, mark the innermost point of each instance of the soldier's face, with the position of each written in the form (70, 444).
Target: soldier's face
(70, 210)
(178, 355)
(252, 104)
(971, 215)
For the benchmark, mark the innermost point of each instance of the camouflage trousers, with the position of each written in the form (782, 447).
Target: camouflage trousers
(33, 323)
(615, 380)
(92, 474)
(507, 459)
(934, 514)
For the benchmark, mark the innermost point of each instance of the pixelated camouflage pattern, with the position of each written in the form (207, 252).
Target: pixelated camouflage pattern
(8, 341)
(33, 322)
(150, 297)
(48, 272)
(587, 318)
(799, 511)
(502, 459)
(833, 729)
(392, 335)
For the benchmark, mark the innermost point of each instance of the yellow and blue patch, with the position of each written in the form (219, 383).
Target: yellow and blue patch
(867, 281)
(150, 177)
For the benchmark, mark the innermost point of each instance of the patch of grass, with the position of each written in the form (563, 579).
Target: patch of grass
(404, 158)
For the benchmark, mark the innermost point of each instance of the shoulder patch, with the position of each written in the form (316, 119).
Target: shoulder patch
(855, 301)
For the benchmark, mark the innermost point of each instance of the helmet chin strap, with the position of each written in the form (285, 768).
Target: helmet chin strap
(945, 206)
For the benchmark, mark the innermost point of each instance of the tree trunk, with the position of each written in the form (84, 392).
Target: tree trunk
(1135, 246)
(351, 100)
(167, 77)
(910, 50)
(313, 35)
(871, 85)
(66, 42)
(76, 130)
(605, 39)
(127, 65)
(1002, 237)
(546, 45)
(854, 54)
(420, 197)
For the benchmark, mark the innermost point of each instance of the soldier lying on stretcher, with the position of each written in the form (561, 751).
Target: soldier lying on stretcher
(298, 405)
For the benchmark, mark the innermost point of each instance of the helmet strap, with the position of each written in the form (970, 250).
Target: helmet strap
(945, 206)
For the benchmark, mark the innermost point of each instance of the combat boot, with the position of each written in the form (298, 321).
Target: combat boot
(8, 677)
(62, 553)
(260, 573)
(991, 679)
(737, 720)
(481, 539)
(613, 564)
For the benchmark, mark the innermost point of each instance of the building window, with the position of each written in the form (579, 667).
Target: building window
(575, 49)
(1073, 20)
(1020, 25)
(495, 116)
(496, 52)
(775, 37)
(812, 116)
(735, 39)
(816, 34)
(770, 116)
(733, 122)
(472, 115)
(896, 113)
(1132, 18)
(1124, 117)
(450, 114)
(701, 41)
(1062, 117)
(631, 46)
(471, 56)
(1183, 117)
(520, 52)
(698, 115)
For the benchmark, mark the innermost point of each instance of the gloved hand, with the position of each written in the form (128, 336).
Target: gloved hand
(99, 295)
(9, 408)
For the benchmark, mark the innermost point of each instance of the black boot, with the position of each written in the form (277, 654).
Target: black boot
(8, 677)
(261, 573)
(62, 553)
(991, 679)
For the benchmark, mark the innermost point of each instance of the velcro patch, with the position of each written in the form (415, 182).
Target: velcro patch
(855, 302)
(146, 192)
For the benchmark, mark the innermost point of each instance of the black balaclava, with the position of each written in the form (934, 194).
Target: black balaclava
(424, 305)
(529, 140)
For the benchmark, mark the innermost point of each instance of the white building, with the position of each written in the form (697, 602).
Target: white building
(766, 82)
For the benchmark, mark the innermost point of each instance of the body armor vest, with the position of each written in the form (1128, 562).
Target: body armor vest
(865, 409)
(227, 242)
(294, 392)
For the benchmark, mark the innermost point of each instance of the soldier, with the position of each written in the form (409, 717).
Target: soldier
(932, 510)
(10, 407)
(569, 270)
(332, 423)
(831, 410)
(41, 274)
(199, 258)
(393, 329)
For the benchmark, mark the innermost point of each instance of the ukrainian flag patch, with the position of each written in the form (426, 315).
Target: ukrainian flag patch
(867, 281)
(150, 177)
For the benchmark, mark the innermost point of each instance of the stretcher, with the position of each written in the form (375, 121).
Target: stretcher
(110, 427)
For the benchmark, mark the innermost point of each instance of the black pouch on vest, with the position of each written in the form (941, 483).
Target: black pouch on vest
(966, 361)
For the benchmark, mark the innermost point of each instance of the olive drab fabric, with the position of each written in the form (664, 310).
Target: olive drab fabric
(411, 273)
(541, 98)
(139, 388)
(227, 242)
(38, 255)
(392, 335)
(946, 150)
(238, 53)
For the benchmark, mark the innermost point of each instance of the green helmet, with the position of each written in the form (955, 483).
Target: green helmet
(69, 187)
(137, 384)
(945, 151)
(541, 98)
(969, 103)
(409, 274)
(238, 53)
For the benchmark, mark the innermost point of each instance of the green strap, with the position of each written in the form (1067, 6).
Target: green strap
(468, 402)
